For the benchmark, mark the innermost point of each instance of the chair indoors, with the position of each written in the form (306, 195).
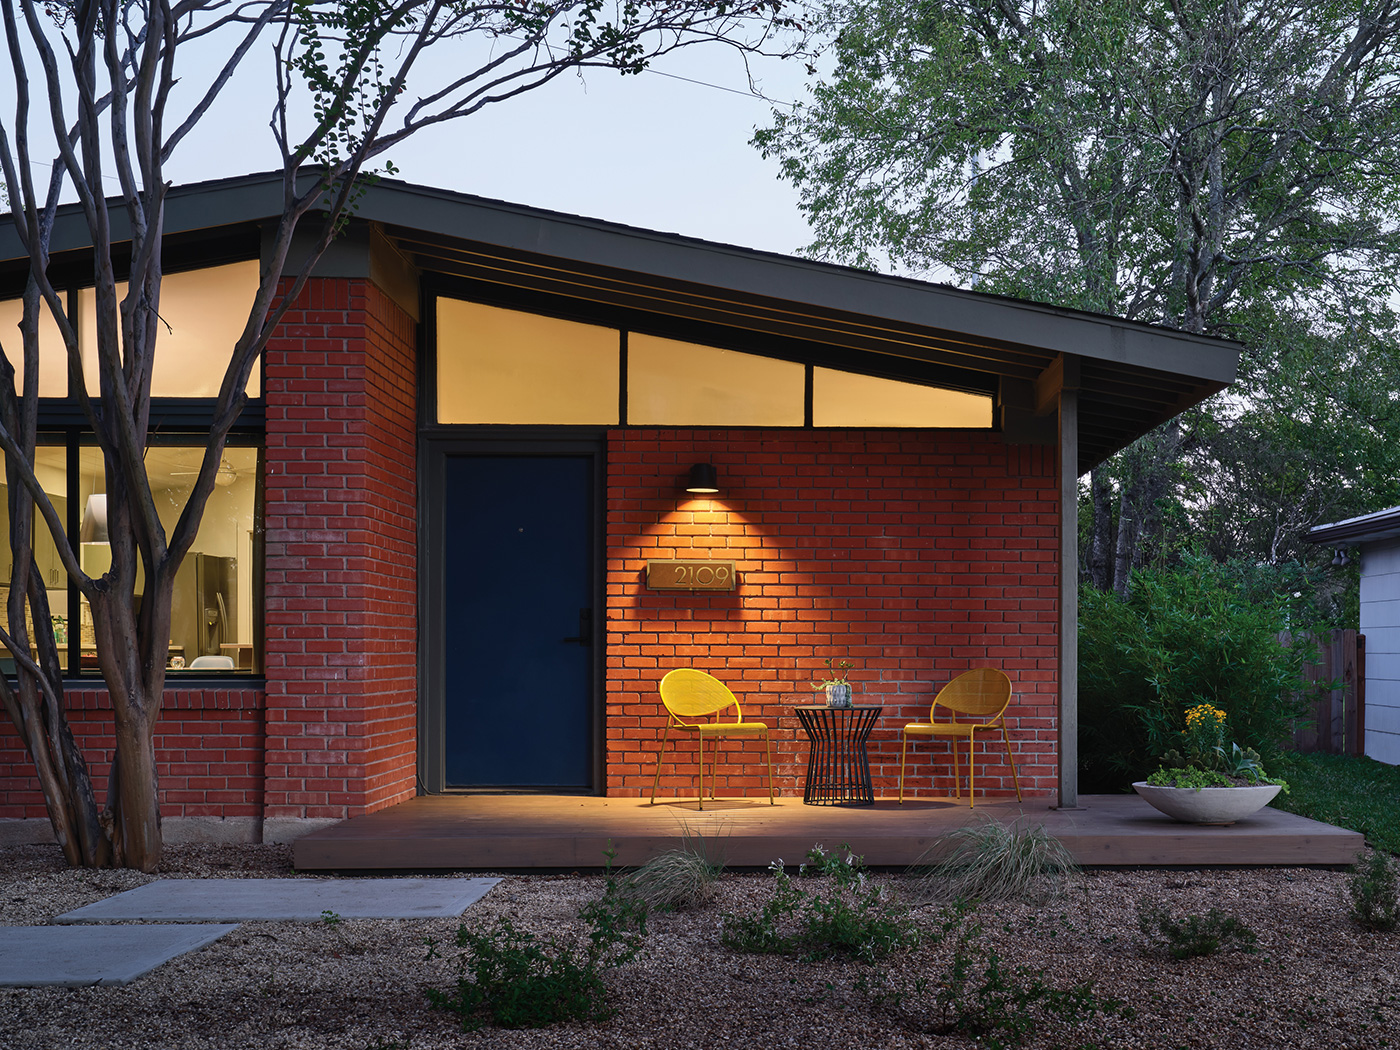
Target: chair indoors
(982, 693)
(690, 695)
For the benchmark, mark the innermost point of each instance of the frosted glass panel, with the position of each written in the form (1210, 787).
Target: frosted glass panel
(507, 366)
(205, 310)
(671, 383)
(53, 362)
(845, 399)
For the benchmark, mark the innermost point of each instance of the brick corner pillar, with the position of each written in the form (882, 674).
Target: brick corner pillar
(341, 561)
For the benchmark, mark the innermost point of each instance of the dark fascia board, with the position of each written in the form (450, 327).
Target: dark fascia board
(815, 285)
(1381, 525)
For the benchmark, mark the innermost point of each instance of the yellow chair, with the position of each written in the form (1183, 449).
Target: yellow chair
(690, 694)
(983, 692)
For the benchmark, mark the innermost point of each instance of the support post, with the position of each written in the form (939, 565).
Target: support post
(1066, 371)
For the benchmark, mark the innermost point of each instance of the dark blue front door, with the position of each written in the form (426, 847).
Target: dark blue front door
(518, 622)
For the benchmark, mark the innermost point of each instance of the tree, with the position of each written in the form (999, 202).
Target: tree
(119, 84)
(1160, 161)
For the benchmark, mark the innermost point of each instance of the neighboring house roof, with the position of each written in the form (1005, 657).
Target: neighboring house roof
(1132, 376)
(1380, 525)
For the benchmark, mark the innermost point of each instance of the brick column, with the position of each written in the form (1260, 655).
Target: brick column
(341, 582)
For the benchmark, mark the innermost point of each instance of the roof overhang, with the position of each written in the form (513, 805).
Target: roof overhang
(1380, 525)
(1131, 376)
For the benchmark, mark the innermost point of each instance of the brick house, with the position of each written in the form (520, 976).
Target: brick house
(472, 434)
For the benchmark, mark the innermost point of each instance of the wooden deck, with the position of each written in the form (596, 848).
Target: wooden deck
(560, 832)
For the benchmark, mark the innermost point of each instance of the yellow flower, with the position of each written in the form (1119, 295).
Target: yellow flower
(1203, 714)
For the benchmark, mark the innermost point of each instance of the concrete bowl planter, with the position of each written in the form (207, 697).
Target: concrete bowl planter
(1212, 805)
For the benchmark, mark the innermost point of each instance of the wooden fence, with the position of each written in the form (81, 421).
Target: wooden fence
(1337, 724)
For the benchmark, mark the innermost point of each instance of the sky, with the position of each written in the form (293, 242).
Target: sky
(662, 150)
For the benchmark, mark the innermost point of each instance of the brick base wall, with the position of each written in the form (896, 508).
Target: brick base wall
(209, 749)
(915, 555)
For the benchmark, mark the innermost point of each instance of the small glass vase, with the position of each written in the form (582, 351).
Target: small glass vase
(838, 694)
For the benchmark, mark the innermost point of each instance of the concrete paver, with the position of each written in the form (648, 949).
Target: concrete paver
(241, 900)
(80, 956)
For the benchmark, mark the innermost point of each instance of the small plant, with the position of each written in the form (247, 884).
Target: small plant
(853, 920)
(333, 922)
(1207, 757)
(1194, 935)
(838, 676)
(520, 980)
(1374, 891)
(978, 997)
(847, 870)
(994, 861)
(677, 878)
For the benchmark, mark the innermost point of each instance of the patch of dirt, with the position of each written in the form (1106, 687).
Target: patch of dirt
(1314, 980)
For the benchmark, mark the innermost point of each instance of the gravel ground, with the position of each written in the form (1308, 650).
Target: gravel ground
(1315, 980)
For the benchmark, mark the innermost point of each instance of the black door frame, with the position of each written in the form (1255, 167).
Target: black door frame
(434, 450)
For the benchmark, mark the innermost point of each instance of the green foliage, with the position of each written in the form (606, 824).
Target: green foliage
(1349, 791)
(1194, 935)
(976, 996)
(1374, 891)
(520, 980)
(993, 861)
(851, 920)
(842, 865)
(1183, 637)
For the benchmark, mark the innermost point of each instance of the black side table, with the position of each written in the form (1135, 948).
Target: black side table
(838, 771)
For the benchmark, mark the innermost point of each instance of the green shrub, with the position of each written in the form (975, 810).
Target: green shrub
(1374, 891)
(520, 980)
(1186, 636)
(852, 919)
(994, 861)
(976, 996)
(1194, 935)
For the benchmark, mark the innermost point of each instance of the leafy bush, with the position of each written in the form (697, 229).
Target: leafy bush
(1194, 935)
(976, 996)
(994, 861)
(852, 920)
(1185, 637)
(1374, 890)
(520, 980)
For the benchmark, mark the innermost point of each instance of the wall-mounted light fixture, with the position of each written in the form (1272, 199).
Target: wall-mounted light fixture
(1340, 559)
(703, 479)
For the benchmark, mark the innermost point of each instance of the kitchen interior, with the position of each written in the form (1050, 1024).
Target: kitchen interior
(212, 608)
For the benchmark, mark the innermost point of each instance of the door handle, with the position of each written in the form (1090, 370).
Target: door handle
(585, 628)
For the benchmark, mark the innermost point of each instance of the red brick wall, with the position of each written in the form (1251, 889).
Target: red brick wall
(914, 555)
(334, 734)
(341, 580)
(209, 749)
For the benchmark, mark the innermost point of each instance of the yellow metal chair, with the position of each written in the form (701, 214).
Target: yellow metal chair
(983, 692)
(690, 694)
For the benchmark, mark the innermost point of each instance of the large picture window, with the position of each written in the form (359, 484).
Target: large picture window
(213, 626)
(216, 620)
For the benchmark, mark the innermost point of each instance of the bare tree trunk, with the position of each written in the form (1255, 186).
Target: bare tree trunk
(1100, 528)
(1127, 537)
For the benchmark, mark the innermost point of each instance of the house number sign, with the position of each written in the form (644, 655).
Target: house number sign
(705, 575)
